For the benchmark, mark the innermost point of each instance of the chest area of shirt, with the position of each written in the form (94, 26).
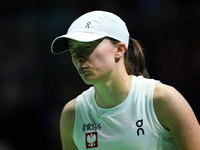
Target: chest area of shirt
(113, 127)
(98, 134)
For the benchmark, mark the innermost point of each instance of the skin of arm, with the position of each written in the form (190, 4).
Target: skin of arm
(176, 115)
(67, 126)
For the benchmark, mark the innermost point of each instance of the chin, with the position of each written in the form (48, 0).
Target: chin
(88, 81)
(92, 79)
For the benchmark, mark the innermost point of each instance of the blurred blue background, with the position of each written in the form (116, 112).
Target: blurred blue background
(35, 84)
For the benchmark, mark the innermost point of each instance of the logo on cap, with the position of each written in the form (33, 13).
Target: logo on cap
(87, 26)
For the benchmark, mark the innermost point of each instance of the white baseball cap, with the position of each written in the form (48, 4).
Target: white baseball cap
(90, 27)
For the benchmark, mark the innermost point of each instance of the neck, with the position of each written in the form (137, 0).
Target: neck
(113, 92)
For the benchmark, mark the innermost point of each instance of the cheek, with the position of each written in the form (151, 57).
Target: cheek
(103, 61)
(104, 54)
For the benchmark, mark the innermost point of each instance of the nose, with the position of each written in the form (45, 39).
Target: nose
(79, 58)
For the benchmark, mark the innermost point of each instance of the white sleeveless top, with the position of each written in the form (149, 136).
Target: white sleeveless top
(132, 125)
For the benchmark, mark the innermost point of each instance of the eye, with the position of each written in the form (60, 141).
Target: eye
(72, 49)
(89, 46)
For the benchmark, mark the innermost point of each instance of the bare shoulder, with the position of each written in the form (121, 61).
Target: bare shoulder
(163, 98)
(68, 114)
(168, 103)
(163, 91)
(176, 115)
(67, 121)
(69, 108)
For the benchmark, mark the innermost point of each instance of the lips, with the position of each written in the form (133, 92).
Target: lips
(83, 70)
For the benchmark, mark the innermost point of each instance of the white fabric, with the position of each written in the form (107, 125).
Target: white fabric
(92, 26)
(132, 125)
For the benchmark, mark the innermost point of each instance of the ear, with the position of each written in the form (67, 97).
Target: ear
(121, 48)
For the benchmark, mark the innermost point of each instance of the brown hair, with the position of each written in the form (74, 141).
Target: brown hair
(134, 58)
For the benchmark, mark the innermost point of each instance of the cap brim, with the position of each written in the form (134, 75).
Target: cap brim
(60, 44)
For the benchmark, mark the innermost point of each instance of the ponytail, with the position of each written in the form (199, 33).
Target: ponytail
(134, 58)
(135, 62)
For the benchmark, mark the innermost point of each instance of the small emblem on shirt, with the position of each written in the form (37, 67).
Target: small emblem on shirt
(140, 130)
(91, 140)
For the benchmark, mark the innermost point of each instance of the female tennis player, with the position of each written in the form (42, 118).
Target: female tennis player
(124, 108)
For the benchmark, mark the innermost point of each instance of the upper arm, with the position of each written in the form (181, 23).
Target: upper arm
(176, 115)
(67, 125)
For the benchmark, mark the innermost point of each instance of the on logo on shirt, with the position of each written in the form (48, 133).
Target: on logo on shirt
(91, 140)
